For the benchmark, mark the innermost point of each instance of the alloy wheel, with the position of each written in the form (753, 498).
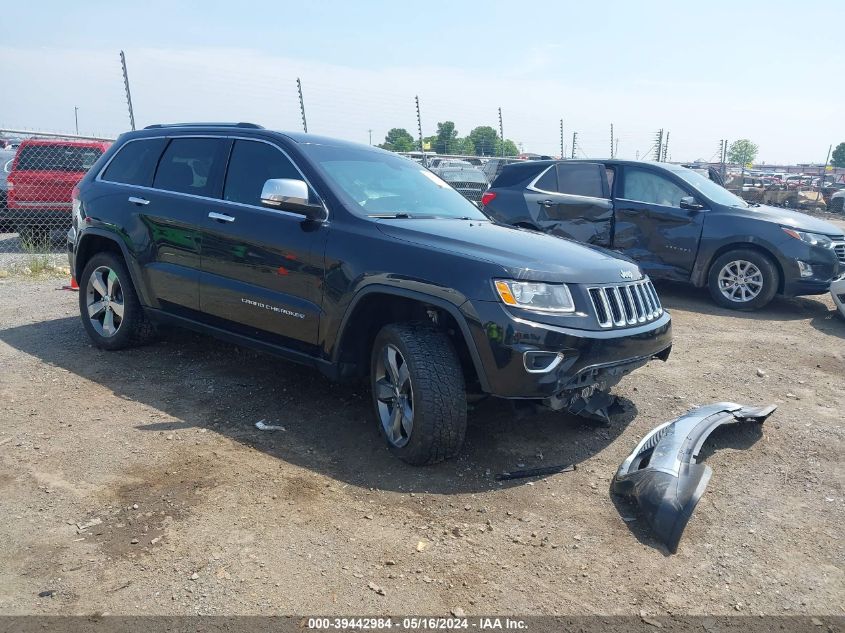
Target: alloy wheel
(394, 395)
(104, 299)
(740, 281)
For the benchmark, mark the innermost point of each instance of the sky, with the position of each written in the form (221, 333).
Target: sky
(701, 71)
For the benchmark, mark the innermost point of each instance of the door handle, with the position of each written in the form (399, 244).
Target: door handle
(140, 201)
(546, 203)
(221, 217)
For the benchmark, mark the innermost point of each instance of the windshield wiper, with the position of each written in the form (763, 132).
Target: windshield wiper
(390, 216)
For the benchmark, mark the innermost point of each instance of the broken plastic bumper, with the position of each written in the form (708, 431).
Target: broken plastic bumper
(661, 474)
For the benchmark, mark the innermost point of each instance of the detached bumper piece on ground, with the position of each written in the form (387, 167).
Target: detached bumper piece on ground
(661, 474)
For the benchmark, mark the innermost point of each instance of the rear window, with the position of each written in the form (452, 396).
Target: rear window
(135, 162)
(518, 174)
(188, 166)
(57, 158)
(585, 179)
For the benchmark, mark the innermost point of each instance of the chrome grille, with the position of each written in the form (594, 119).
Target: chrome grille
(625, 304)
(839, 249)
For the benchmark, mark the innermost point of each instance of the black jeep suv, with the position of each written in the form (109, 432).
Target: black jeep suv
(676, 223)
(358, 262)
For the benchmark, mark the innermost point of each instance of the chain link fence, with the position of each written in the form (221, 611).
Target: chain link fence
(39, 173)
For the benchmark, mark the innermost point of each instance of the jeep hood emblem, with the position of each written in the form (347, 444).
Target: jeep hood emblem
(626, 274)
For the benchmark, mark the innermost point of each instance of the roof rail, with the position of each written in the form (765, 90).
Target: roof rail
(253, 126)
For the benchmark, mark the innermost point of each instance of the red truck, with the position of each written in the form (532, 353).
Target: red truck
(40, 182)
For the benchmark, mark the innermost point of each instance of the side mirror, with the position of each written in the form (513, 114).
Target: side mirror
(688, 202)
(289, 194)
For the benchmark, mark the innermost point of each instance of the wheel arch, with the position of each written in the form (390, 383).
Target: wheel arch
(732, 246)
(94, 241)
(377, 305)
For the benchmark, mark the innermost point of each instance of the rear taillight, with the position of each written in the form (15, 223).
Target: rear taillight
(76, 207)
(487, 197)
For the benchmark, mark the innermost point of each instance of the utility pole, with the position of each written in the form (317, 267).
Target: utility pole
(574, 143)
(658, 144)
(128, 94)
(666, 147)
(824, 169)
(302, 105)
(371, 136)
(76, 119)
(562, 149)
(501, 131)
(419, 128)
(611, 140)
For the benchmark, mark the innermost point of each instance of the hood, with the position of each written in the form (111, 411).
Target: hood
(794, 219)
(522, 253)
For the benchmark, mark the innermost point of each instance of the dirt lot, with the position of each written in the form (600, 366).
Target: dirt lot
(191, 509)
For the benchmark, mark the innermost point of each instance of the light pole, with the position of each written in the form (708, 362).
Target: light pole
(76, 118)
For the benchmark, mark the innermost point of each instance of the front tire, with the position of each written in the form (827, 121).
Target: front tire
(418, 393)
(743, 279)
(108, 304)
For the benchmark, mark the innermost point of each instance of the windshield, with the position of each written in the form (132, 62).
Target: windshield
(709, 189)
(379, 184)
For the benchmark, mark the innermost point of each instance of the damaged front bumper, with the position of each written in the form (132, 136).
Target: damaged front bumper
(661, 474)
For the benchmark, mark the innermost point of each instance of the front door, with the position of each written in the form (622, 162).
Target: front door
(262, 268)
(572, 200)
(651, 227)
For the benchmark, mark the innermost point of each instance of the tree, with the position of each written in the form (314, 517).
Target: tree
(484, 138)
(837, 159)
(510, 148)
(465, 146)
(742, 152)
(446, 136)
(398, 139)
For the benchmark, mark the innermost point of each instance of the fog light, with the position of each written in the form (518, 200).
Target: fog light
(805, 269)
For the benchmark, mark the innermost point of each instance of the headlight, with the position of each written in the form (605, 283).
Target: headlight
(532, 295)
(813, 239)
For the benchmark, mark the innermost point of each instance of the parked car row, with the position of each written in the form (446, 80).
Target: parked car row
(362, 263)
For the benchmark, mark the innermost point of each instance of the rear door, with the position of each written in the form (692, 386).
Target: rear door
(651, 227)
(187, 179)
(572, 200)
(262, 267)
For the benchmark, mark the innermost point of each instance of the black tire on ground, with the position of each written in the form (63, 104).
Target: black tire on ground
(768, 269)
(135, 328)
(438, 393)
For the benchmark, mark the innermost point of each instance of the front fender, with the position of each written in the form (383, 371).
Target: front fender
(446, 299)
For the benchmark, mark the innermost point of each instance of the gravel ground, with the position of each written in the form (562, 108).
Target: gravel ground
(136, 482)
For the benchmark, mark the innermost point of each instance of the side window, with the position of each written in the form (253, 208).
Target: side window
(581, 179)
(646, 186)
(611, 176)
(135, 162)
(188, 166)
(251, 164)
(548, 181)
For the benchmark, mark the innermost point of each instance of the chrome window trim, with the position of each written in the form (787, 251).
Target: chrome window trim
(532, 186)
(168, 137)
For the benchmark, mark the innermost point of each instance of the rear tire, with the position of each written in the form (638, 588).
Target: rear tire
(743, 279)
(418, 392)
(108, 305)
